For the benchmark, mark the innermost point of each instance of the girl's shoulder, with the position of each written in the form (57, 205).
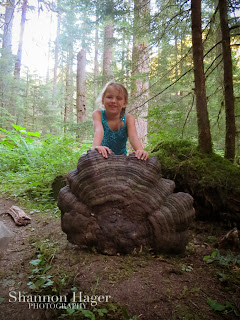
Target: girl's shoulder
(130, 118)
(97, 115)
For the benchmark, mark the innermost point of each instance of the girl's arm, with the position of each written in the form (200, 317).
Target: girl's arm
(133, 138)
(98, 134)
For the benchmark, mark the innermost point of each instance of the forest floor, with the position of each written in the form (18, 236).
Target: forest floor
(141, 286)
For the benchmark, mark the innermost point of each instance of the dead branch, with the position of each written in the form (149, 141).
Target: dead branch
(19, 216)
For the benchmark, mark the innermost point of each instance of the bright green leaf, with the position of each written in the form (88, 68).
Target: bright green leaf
(101, 312)
(18, 128)
(35, 262)
(70, 311)
(28, 139)
(4, 130)
(8, 144)
(34, 134)
(214, 305)
(88, 314)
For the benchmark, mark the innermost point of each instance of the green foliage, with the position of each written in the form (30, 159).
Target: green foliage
(227, 308)
(181, 160)
(163, 123)
(29, 163)
(226, 260)
(87, 314)
(186, 268)
(40, 281)
(110, 311)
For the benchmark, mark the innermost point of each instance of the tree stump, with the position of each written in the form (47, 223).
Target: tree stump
(121, 204)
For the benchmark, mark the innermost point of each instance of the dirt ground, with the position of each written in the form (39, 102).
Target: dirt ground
(142, 286)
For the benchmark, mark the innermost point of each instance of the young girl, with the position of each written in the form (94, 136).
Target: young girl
(112, 126)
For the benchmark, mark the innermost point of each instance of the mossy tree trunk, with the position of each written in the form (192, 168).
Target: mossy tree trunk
(204, 134)
(228, 83)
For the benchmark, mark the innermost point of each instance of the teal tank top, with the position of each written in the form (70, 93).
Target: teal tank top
(115, 140)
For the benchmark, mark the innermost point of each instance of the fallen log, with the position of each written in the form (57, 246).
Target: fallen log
(19, 216)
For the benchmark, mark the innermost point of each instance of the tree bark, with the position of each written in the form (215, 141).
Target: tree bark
(7, 57)
(81, 86)
(228, 83)
(54, 89)
(68, 109)
(107, 54)
(96, 64)
(8, 23)
(49, 53)
(19, 52)
(204, 135)
(140, 67)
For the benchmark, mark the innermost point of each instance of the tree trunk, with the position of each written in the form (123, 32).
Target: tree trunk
(54, 89)
(68, 110)
(228, 83)
(96, 64)
(140, 67)
(71, 89)
(26, 105)
(81, 86)
(67, 84)
(49, 52)
(176, 60)
(7, 32)
(204, 135)
(19, 52)
(107, 54)
(7, 57)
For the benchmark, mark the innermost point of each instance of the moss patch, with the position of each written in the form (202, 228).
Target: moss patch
(214, 182)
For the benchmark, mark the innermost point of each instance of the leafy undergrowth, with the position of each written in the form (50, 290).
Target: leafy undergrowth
(204, 283)
(30, 163)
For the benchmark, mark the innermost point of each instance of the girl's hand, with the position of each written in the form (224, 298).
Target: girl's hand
(141, 154)
(104, 151)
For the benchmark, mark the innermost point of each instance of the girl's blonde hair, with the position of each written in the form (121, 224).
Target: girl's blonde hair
(119, 87)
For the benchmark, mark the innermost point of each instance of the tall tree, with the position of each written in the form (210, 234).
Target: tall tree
(107, 72)
(96, 61)
(204, 135)
(18, 63)
(54, 89)
(7, 32)
(6, 57)
(228, 83)
(49, 52)
(68, 109)
(140, 65)
(108, 53)
(81, 86)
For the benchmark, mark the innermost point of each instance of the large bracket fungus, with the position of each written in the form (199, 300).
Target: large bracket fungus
(122, 204)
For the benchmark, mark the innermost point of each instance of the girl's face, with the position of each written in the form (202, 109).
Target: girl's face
(114, 100)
